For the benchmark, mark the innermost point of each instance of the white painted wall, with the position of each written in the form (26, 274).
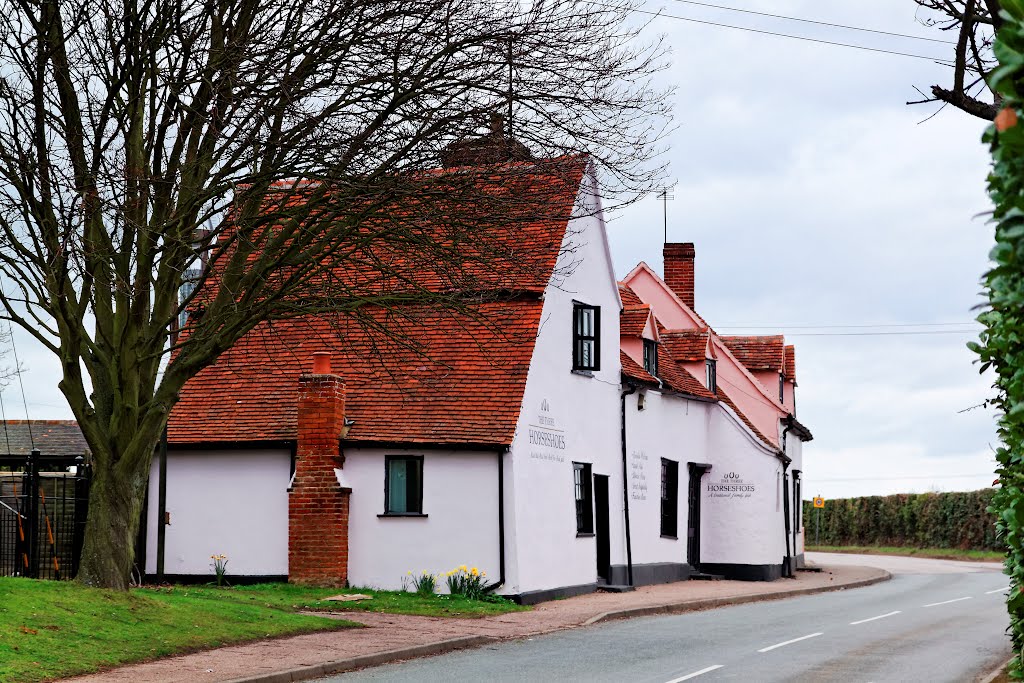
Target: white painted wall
(460, 496)
(668, 427)
(230, 502)
(583, 411)
(740, 527)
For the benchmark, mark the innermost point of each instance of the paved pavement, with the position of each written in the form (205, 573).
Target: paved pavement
(388, 632)
(935, 621)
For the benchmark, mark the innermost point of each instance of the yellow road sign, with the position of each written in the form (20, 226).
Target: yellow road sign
(819, 502)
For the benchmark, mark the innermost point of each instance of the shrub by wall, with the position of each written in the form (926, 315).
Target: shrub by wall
(911, 520)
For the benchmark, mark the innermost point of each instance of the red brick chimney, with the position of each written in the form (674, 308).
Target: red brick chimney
(317, 504)
(679, 269)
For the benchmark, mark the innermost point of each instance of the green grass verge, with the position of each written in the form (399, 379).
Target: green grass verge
(933, 553)
(51, 629)
(291, 597)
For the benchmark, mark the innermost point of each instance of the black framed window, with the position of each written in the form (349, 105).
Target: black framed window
(403, 485)
(583, 487)
(782, 389)
(798, 518)
(669, 497)
(712, 376)
(586, 337)
(651, 356)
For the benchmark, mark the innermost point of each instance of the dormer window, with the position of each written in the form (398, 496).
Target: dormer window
(586, 337)
(712, 376)
(651, 356)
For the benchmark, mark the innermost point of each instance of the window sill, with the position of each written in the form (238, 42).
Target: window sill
(673, 538)
(401, 514)
(583, 373)
(585, 534)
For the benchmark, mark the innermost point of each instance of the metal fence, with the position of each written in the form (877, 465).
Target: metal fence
(43, 504)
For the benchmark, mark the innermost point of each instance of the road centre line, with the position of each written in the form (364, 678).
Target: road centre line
(696, 673)
(880, 616)
(946, 602)
(998, 590)
(788, 642)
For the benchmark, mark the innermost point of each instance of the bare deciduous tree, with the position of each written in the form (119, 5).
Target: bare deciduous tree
(974, 23)
(272, 156)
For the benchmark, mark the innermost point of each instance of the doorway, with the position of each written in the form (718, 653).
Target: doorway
(697, 471)
(601, 527)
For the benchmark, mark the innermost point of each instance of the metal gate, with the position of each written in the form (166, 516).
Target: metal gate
(43, 504)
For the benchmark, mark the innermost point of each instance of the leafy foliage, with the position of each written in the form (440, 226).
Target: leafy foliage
(909, 520)
(1002, 342)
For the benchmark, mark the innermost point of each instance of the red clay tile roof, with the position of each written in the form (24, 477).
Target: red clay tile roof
(451, 380)
(763, 352)
(678, 378)
(447, 379)
(632, 370)
(628, 296)
(633, 320)
(791, 362)
(686, 345)
(724, 398)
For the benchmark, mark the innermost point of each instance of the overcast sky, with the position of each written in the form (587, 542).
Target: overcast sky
(815, 197)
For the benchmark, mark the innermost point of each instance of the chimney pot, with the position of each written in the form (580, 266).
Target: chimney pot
(322, 363)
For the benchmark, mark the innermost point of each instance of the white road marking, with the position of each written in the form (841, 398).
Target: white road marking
(946, 602)
(998, 590)
(880, 616)
(696, 673)
(788, 642)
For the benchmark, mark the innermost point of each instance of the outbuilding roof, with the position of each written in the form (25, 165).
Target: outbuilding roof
(50, 437)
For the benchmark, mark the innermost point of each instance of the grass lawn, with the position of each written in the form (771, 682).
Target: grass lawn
(935, 553)
(290, 597)
(51, 629)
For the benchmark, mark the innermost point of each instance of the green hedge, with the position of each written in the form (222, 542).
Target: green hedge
(910, 520)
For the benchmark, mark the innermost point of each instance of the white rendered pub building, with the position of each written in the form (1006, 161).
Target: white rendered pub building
(603, 436)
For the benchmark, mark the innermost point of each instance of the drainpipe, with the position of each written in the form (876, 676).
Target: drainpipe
(501, 524)
(787, 568)
(625, 483)
(161, 514)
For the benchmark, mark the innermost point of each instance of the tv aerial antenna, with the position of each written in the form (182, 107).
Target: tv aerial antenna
(665, 195)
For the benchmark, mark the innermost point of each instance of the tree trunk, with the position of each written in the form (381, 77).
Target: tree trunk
(115, 504)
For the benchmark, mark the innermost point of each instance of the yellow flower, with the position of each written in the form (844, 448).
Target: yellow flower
(462, 568)
(474, 571)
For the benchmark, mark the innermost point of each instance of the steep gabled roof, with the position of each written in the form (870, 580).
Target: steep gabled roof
(413, 374)
(678, 378)
(632, 370)
(449, 380)
(724, 398)
(633, 320)
(791, 363)
(628, 296)
(763, 352)
(686, 346)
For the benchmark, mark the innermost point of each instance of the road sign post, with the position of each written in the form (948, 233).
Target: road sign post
(819, 503)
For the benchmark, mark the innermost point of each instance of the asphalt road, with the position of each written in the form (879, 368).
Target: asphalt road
(934, 621)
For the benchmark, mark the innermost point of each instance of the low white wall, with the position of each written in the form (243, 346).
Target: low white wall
(460, 501)
(229, 502)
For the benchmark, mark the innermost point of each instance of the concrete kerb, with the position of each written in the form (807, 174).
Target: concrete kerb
(694, 605)
(996, 673)
(305, 673)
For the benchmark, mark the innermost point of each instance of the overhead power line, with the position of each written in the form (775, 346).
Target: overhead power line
(778, 34)
(881, 334)
(735, 326)
(819, 23)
